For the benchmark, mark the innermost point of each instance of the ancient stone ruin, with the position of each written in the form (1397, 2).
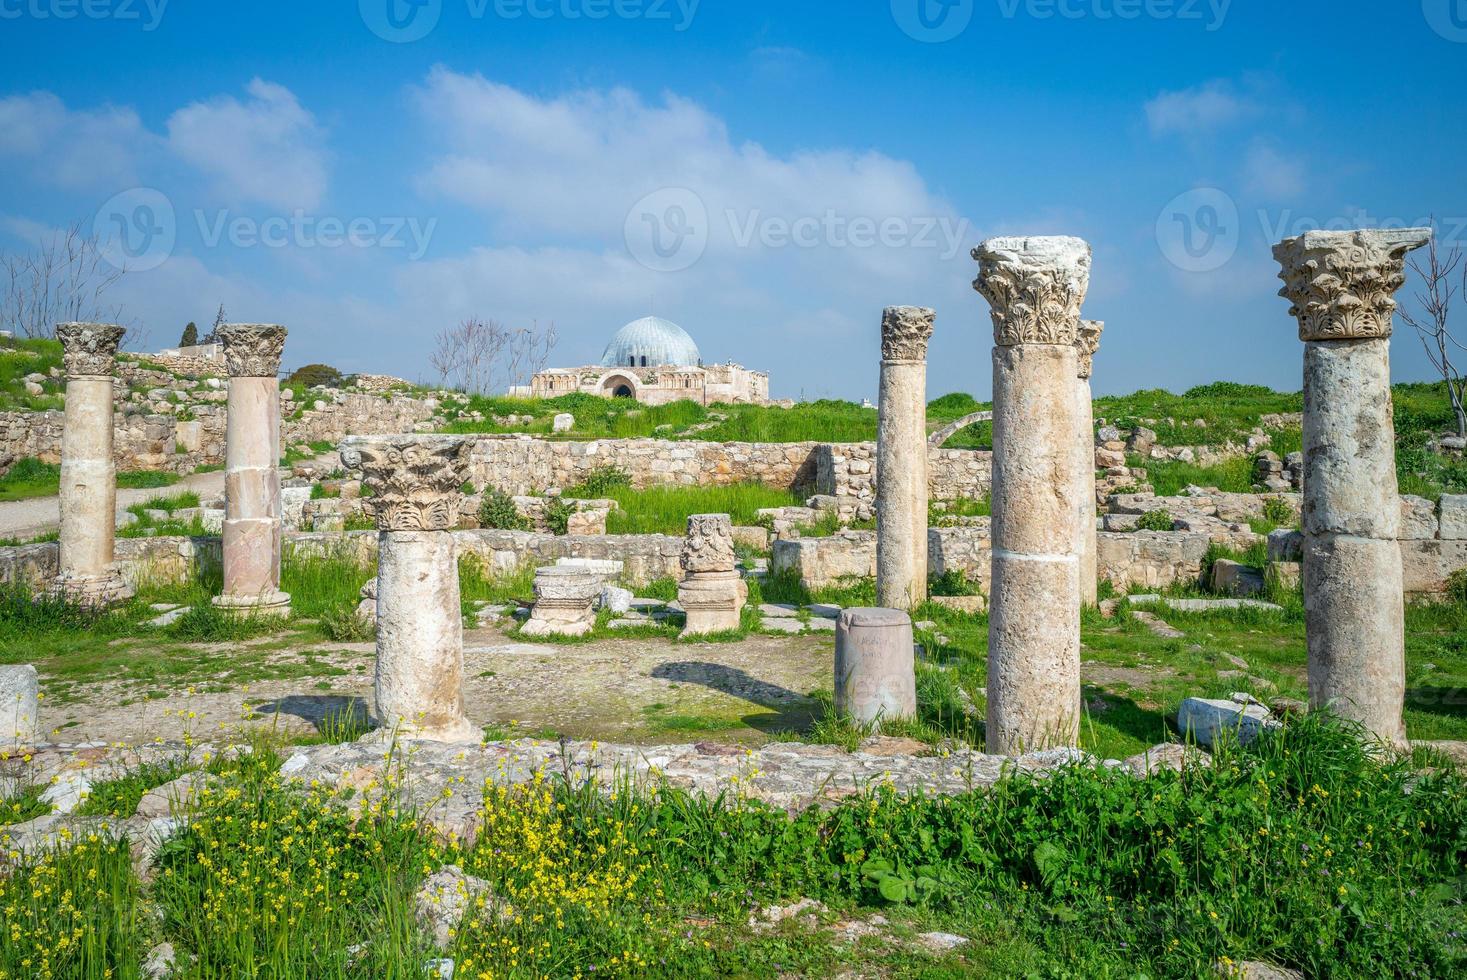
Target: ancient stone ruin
(1035, 287)
(1342, 285)
(88, 494)
(712, 592)
(565, 601)
(875, 672)
(901, 449)
(252, 526)
(1089, 343)
(415, 484)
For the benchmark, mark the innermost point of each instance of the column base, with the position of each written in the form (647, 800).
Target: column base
(105, 589)
(265, 604)
(712, 601)
(459, 731)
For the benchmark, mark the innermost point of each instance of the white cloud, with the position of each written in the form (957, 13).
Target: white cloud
(77, 149)
(1199, 110)
(267, 149)
(1271, 173)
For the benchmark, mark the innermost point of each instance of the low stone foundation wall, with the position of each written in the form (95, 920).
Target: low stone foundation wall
(167, 560)
(822, 562)
(1154, 559)
(845, 471)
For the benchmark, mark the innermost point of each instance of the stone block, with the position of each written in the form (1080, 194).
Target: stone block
(1285, 545)
(1206, 720)
(1236, 579)
(20, 705)
(875, 677)
(1418, 518)
(1453, 524)
(563, 422)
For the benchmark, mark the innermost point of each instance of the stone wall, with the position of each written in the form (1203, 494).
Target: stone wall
(170, 560)
(822, 562)
(845, 471)
(1152, 559)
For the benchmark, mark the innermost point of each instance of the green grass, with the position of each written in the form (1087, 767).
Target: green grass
(19, 358)
(120, 797)
(29, 477)
(1301, 850)
(148, 480)
(665, 509)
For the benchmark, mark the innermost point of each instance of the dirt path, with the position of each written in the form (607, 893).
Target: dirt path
(635, 690)
(29, 518)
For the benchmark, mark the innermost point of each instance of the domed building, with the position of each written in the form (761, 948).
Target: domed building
(655, 361)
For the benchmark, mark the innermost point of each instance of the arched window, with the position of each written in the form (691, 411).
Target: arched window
(632, 361)
(644, 360)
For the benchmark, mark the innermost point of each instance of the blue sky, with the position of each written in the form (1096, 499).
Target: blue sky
(801, 164)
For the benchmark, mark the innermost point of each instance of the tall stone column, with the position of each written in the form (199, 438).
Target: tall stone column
(252, 525)
(1089, 344)
(901, 458)
(1342, 285)
(1035, 287)
(415, 483)
(88, 474)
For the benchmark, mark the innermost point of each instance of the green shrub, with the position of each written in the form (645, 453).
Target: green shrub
(315, 374)
(953, 582)
(1457, 586)
(341, 624)
(1229, 389)
(557, 515)
(1155, 520)
(600, 482)
(1278, 512)
(497, 510)
(190, 336)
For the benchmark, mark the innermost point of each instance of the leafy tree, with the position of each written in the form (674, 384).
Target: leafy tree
(190, 335)
(315, 374)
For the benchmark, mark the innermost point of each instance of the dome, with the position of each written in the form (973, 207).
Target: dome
(651, 341)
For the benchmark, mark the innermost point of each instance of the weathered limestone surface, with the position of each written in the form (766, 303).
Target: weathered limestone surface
(252, 520)
(875, 673)
(712, 592)
(415, 483)
(565, 601)
(20, 706)
(1035, 287)
(901, 449)
(1089, 345)
(88, 490)
(1341, 287)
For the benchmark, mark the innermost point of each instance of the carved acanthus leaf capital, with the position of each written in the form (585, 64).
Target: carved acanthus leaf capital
(709, 545)
(252, 350)
(89, 349)
(1035, 286)
(905, 331)
(416, 481)
(1087, 342)
(1342, 284)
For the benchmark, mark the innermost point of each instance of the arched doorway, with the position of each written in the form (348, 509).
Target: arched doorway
(619, 386)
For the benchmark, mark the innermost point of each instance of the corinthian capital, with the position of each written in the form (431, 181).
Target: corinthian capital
(1087, 342)
(709, 546)
(89, 349)
(905, 331)
(1342, 284)
(415, 480)
(1035, 286)
(252, 350)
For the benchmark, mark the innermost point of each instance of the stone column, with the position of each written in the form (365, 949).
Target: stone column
(252, 525)
(1342, 286)
(565, 601)
(875, 671)
(711, 593)
(1089, 344)
(88, 474)
(415, 483)
(901, 458)
(1035, 287)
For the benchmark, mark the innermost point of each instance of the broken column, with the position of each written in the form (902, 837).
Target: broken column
(712, 593)
(415, 483)
(1035, 287)
(875, 672)
(1342, 285)
(901, 458)
(20, 707)
(1089, 344)
(252, 524)
(565, 601)
(88, 492)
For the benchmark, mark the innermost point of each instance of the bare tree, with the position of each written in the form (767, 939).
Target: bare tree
(529, 352)
(483, 356)
(1430, 315)
(62, 279)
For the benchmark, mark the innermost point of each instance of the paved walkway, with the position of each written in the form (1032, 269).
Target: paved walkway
(25, 519)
